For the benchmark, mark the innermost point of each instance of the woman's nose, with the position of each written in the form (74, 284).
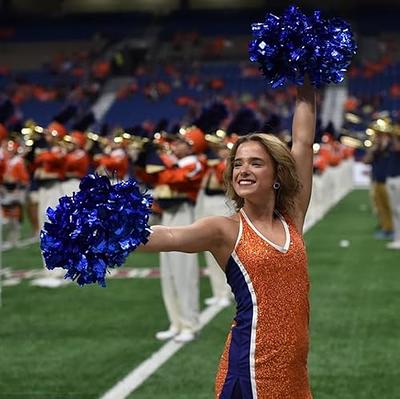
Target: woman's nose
(244, 170)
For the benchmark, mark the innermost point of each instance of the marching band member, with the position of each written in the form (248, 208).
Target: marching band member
(39, 144)
(76, 163)
(378, 156)
(49, 172)
(15, 179)
(393, 185)
(113, 161)
(176, 189)
(213, 202)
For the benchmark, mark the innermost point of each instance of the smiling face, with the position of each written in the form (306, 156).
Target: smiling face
(253, 172)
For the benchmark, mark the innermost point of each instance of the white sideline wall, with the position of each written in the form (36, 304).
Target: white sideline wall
(328, 189)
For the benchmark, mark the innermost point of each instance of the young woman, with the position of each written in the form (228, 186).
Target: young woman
(261, 250)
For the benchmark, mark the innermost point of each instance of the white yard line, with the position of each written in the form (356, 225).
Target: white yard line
(5, 246)
(140, 374)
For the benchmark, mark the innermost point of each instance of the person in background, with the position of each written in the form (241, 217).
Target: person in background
(378, 157)
(393, 185)
(175, 189)
(14, 182)
(213, 202)
(76, 164)
(49, 173)
(48, 166)
(113, 161)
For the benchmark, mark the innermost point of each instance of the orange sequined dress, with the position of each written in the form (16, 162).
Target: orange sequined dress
(265, 355)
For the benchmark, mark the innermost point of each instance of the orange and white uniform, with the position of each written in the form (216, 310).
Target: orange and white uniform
(49, 173)
(15, 180)
(49, 164)
(15, 171)
(179, 182)
(14, 183)
(176, 189)
(213, 202)
(266, 351)
(116, 163)
(76, 166)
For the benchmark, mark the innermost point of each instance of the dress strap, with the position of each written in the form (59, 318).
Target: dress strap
(240, 232)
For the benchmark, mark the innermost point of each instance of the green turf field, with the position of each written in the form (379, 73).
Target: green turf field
(76, 342)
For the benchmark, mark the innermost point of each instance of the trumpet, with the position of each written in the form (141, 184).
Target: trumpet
(96, 138)
(32, 133)
(382, 125)
(352, 118)
(135, 142)
(164, 136)
(359, 139)
(216, 139)
(219, 140)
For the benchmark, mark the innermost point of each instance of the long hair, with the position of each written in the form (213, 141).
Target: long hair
(285, 171)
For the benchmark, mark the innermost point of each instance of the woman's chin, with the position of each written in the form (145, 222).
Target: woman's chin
(251, 188)
(246, 193)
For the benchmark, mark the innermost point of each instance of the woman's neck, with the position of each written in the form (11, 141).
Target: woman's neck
(264, 211)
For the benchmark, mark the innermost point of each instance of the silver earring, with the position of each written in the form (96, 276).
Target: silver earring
(276, 185)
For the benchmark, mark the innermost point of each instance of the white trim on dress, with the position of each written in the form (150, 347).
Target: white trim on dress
(280, 248)
(252, 352)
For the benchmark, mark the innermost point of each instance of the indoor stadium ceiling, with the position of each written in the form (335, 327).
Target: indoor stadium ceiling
(51, 7)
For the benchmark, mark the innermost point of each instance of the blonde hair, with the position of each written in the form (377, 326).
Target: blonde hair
(285, 171)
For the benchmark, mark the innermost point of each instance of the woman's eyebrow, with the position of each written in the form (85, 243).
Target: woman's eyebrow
(249, 159)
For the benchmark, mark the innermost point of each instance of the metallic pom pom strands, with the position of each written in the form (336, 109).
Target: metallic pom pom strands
(290, 46)
(95, 229)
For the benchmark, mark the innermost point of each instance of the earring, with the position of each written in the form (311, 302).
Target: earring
(276, 185)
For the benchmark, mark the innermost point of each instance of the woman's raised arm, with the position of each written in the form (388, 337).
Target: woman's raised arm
(303, 133)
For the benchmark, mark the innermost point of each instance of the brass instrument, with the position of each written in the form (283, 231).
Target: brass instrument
(352, 118)
(382, 125)
(357, 139)
(219, 140)
(134, 142)
(96, 138)
(134, 145)
(31, 133)
(354, 142)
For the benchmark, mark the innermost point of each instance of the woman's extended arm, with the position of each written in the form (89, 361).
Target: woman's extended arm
(303, 133)
(205, 234)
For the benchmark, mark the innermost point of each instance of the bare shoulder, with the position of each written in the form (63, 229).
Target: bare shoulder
(228, 227)
(222, 227)
(231, 225)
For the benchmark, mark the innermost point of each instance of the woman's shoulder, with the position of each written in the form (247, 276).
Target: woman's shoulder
(228, 229)
(223, 227)
(223, 222)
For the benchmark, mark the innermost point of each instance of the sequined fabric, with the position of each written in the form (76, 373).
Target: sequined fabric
(266, 351)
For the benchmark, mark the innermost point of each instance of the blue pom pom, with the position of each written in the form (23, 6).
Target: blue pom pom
(290, 46)
(96, 228)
